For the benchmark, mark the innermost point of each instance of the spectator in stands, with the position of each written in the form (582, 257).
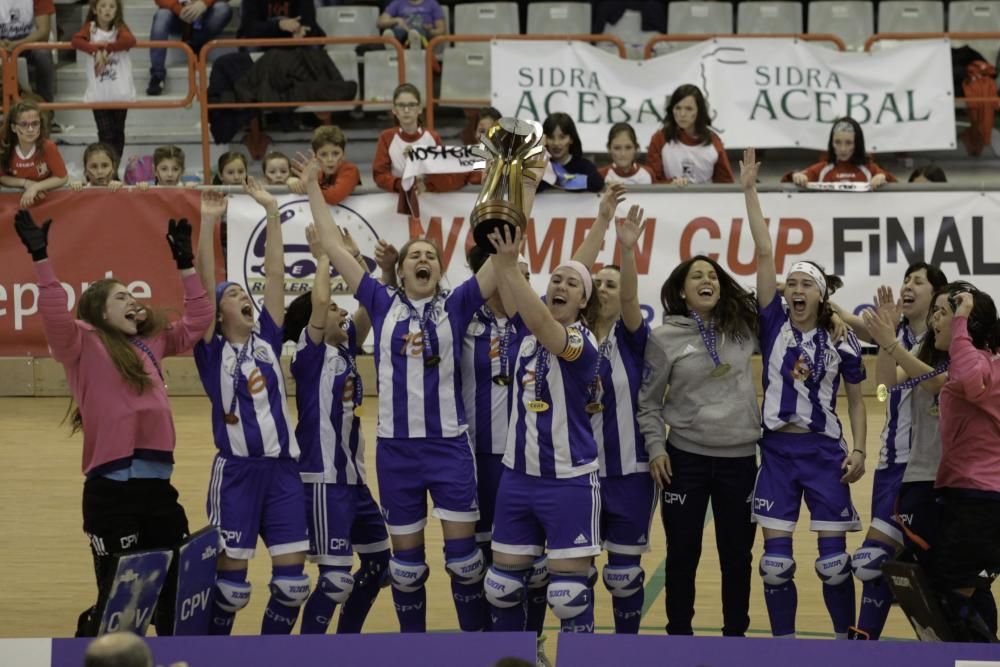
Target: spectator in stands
(277, 169)
(26, 23)
(929, 173)
(269, 19)
(231, 169)
(105, 41)
(337, 177)
(168, 166)
(686, 151)
(622, 147)
(100, 168)
(394, 146)
(488, 117)
(571, 171)
(412, 22)
(195, 21)
(846, 160)
(28, 158)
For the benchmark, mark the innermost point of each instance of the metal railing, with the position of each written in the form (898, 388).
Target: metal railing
(442, 39)
(806, 37)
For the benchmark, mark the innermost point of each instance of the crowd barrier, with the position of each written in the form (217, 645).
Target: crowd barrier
(650, 49)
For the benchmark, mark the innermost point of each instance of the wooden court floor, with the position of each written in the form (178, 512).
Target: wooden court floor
(48, 577)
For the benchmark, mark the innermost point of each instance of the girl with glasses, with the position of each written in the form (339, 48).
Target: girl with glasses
(28, 158)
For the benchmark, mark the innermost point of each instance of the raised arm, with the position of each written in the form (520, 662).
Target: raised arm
(213, 207)
(535, 315)
(330, 237)
(881, 324)
(629, 230)
(320, 296)
(969, 366)
(587, 253)
(767, 280)
(274, 252)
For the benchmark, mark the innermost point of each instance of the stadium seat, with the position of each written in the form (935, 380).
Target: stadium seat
(906, 16)
(559, 18)
(629, 30)
(348, 21)
(382, 77)
(466, 75)
(695, 18)
(853, 22)
(761, 18)
(976, 17)
(485, 18)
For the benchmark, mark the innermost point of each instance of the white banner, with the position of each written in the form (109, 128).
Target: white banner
(868, 239)
(421, 160)
(768, 93)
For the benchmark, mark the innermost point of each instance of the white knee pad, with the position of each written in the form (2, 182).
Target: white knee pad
(232, 596)
(623, 581)
(835, 569)
(336, 585)
(290, 591)
(504, 589)
(568, 599)
(468, 570)
(539, 577)
(867, 562)
(408, 577)
(776, 570)
(592, 576)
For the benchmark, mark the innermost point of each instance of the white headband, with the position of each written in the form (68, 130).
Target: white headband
(585, 278)
(811, 271)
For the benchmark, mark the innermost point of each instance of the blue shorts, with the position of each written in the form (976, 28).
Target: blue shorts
(885, 490)
(627, 507)
(343, 519)
(489, 468)
(793, 465)
(248, 497)
(409, 468)
(538, 514)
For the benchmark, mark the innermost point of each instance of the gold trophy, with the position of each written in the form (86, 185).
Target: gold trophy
(511, 149)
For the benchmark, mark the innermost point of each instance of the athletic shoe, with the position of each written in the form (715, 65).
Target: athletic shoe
(542, 660)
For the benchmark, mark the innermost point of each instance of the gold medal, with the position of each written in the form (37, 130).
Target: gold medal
(594, 408)
(538, 406)
(720, 370)
(882, 393)
(934, 411)
(359, 410)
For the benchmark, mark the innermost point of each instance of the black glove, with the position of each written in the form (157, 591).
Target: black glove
(35, 238)
(179, 238)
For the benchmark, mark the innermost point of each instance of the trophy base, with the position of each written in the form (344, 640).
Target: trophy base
(489, 217)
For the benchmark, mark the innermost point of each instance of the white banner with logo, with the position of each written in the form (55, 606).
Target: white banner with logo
(868, 238)
(422, 160)
(768, 93)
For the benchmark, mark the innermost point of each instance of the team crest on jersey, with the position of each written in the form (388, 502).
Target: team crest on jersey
(399, 312)
(339, 364)
(529, 347)
(262, 353)
(476, 328)
(43, 169)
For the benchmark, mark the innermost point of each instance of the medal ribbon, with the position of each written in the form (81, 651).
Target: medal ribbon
(352, 369)
(708, 337)
(503, 337)
(913, 382)
(541, 370)
(423, 320)
(602, 350)
(817, 366)
(137, 341)
(238, 371)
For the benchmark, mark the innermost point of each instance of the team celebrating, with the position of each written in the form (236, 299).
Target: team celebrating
(544, 428)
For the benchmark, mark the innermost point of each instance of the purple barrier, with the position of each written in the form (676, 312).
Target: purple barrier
(663, 651)
(438, 650)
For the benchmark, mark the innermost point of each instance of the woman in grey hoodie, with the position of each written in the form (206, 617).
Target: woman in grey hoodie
(702, 353)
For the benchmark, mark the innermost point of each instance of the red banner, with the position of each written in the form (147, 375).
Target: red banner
(94, 234)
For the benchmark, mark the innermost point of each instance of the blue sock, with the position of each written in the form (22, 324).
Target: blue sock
(583, 621)
(318, 612)
(283, 609)
(538, 593)
(371, 577)
(839, 597)
(411, 607)
(782, 601)
(470, 600)
(628, 609)
(876, 600)
(222, 620)
(514, 618)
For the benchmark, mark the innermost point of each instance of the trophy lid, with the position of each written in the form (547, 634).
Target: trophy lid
(520, 128)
